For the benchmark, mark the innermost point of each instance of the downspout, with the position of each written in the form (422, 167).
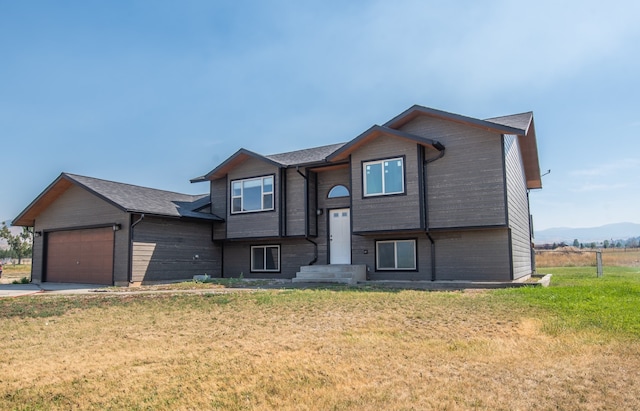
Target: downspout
(135, 223)
(306, 217)
(438, 146)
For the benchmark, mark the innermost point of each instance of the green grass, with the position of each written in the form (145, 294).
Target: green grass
(580, 301)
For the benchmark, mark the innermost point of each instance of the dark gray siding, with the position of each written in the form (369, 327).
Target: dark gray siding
(260, 224)
(394, 212)
(481, 255)
(219, 201)
(165, 249)
(77, 208)
(364, 252)
(327, 180)
(465, 187)
(294, 253)
(295, 203)
(518, 207)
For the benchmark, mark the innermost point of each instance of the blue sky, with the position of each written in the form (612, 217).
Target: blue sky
(157, 92)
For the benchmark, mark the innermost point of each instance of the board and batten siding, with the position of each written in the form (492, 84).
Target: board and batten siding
(165, 249)
(256, 224)
(518, 208)
(465, 187)
(386, 212)
(78, 208)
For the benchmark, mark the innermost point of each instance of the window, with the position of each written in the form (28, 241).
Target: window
(252, 194)
(383, 177)
(265, 258)
(338, 191)
(396, 255)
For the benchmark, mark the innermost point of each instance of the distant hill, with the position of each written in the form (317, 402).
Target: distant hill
(617, 231)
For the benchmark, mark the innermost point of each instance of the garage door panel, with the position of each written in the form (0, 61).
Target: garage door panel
(80, 256)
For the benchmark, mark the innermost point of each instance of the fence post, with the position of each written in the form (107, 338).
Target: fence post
(599, 263)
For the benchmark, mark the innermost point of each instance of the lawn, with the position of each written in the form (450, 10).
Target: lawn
(574, 345)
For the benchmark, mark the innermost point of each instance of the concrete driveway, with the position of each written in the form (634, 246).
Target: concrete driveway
(18, 290)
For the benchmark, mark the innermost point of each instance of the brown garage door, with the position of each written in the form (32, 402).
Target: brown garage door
(80, 256)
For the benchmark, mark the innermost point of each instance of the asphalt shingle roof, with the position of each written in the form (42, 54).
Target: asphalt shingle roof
(306, 156)
(138, 199)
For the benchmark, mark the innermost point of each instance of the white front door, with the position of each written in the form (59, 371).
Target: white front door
(340, 236)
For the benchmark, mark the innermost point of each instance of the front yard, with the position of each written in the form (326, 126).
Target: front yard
(574, 345)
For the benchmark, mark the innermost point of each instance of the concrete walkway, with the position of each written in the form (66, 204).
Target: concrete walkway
(18, 290)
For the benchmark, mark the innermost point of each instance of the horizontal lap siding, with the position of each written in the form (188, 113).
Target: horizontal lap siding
(481, 255)
(466, 186)
(260, 224)
(219, 201)
(166, 250)
(295, 210)
(76, 208)
(394, 212)
(518, 208)
(364, 252)
(294, 253)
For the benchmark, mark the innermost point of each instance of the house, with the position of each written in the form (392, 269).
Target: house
(429, 195)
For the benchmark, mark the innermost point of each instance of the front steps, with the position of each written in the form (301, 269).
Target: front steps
(334, 273)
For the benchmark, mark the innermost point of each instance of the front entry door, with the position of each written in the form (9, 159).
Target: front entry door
(340, 236)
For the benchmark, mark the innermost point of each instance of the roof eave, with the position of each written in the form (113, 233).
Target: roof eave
(417, 110)
(231, 162)
(374, 132)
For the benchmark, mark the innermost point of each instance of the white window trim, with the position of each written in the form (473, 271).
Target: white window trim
(395, 254)
(241, 196)
(264, 263)
(383, 193)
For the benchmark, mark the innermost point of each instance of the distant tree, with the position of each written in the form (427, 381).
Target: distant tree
(19, 244)
(632, 243)
(576, 243)
(619, 244)
(581, 246)
(592, 245)
(605, 244)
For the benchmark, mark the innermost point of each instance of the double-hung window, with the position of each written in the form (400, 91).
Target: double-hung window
(396, 255)
(252, 194)
(265, 258)
(383, 177)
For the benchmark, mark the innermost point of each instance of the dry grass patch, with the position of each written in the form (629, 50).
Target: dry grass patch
(306, 350)
(575, 257)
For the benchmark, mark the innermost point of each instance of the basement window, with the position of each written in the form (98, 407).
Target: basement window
(396, 255)
(265, 258)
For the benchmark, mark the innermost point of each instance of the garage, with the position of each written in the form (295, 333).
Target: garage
(80, 256)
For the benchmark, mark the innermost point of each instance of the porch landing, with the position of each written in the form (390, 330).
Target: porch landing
(334, 273)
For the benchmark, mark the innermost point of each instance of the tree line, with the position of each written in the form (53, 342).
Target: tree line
(632, 242)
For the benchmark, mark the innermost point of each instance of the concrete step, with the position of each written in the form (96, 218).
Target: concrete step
(334, 273)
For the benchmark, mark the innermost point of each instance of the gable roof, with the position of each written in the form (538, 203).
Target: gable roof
(520, 125)
(282, 160)
(417, 111)
(374, 132)
(128, 198)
